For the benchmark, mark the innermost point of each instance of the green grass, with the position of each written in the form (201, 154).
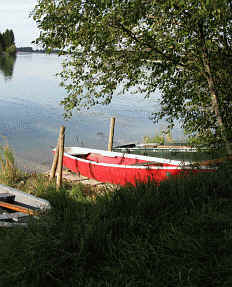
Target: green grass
(175, 234)
(9, 174)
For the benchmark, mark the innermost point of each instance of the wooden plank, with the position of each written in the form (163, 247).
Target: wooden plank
(17, 208)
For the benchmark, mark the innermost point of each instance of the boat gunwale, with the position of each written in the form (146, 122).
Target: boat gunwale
(184, 166)
(83, 151)
(157, 149)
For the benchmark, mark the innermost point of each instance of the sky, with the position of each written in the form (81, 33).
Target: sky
(14, 14)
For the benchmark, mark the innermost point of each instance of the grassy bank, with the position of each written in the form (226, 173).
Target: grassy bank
(175, 234)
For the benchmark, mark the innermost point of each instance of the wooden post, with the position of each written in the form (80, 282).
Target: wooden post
(54, 163)
(60, 158)
(111, 135)
(55, 159)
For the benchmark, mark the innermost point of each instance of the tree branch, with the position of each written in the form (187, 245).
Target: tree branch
(148, 45)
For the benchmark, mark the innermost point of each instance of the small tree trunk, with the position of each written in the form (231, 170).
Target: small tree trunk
(214, 97)
(215, 104)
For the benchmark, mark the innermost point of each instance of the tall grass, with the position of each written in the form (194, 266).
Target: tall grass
(176, 234)
(9, 173)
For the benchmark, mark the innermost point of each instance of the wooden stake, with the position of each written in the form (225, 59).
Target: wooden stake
(55, 159)
(54, 163)
(60, 158)
(111, 134)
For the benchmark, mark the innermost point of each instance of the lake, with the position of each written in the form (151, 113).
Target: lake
(30, 113)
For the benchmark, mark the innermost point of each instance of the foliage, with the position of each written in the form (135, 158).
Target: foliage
(163, 137)
(174, 234)
(156, 139)
(7, 42)
(182, 48)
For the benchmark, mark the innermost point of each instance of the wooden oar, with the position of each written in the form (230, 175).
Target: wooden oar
(214, 161)
(147, 163)
(17, 208)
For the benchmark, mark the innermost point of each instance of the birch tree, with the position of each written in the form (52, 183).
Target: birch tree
(179, 47)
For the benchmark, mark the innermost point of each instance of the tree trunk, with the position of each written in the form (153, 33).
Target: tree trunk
(215, 104)
(214, 97)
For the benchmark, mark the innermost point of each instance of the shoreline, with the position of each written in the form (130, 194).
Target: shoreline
(30, 165)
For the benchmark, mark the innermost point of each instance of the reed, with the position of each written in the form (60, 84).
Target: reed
(9, 173)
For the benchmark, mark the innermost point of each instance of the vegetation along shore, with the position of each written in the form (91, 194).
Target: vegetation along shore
(177, 233)
(7, 43)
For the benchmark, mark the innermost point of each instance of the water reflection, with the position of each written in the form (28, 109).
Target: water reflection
(7, 63)
(30, 113)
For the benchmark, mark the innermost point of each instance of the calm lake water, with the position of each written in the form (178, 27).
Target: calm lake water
(30, 113)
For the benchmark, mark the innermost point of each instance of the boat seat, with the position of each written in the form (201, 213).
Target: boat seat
(7, 197)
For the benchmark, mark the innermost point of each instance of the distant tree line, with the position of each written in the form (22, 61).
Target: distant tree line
(7, 42)
(31, 50)
(24, 49)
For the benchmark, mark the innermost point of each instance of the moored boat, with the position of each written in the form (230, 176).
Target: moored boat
(153, 147)
(16, 206)
(175, 151)
(122, 168)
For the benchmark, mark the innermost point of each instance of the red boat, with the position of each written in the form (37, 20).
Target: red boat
(123, 168)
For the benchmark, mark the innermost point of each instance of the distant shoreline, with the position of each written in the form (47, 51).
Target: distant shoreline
(38, 51)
